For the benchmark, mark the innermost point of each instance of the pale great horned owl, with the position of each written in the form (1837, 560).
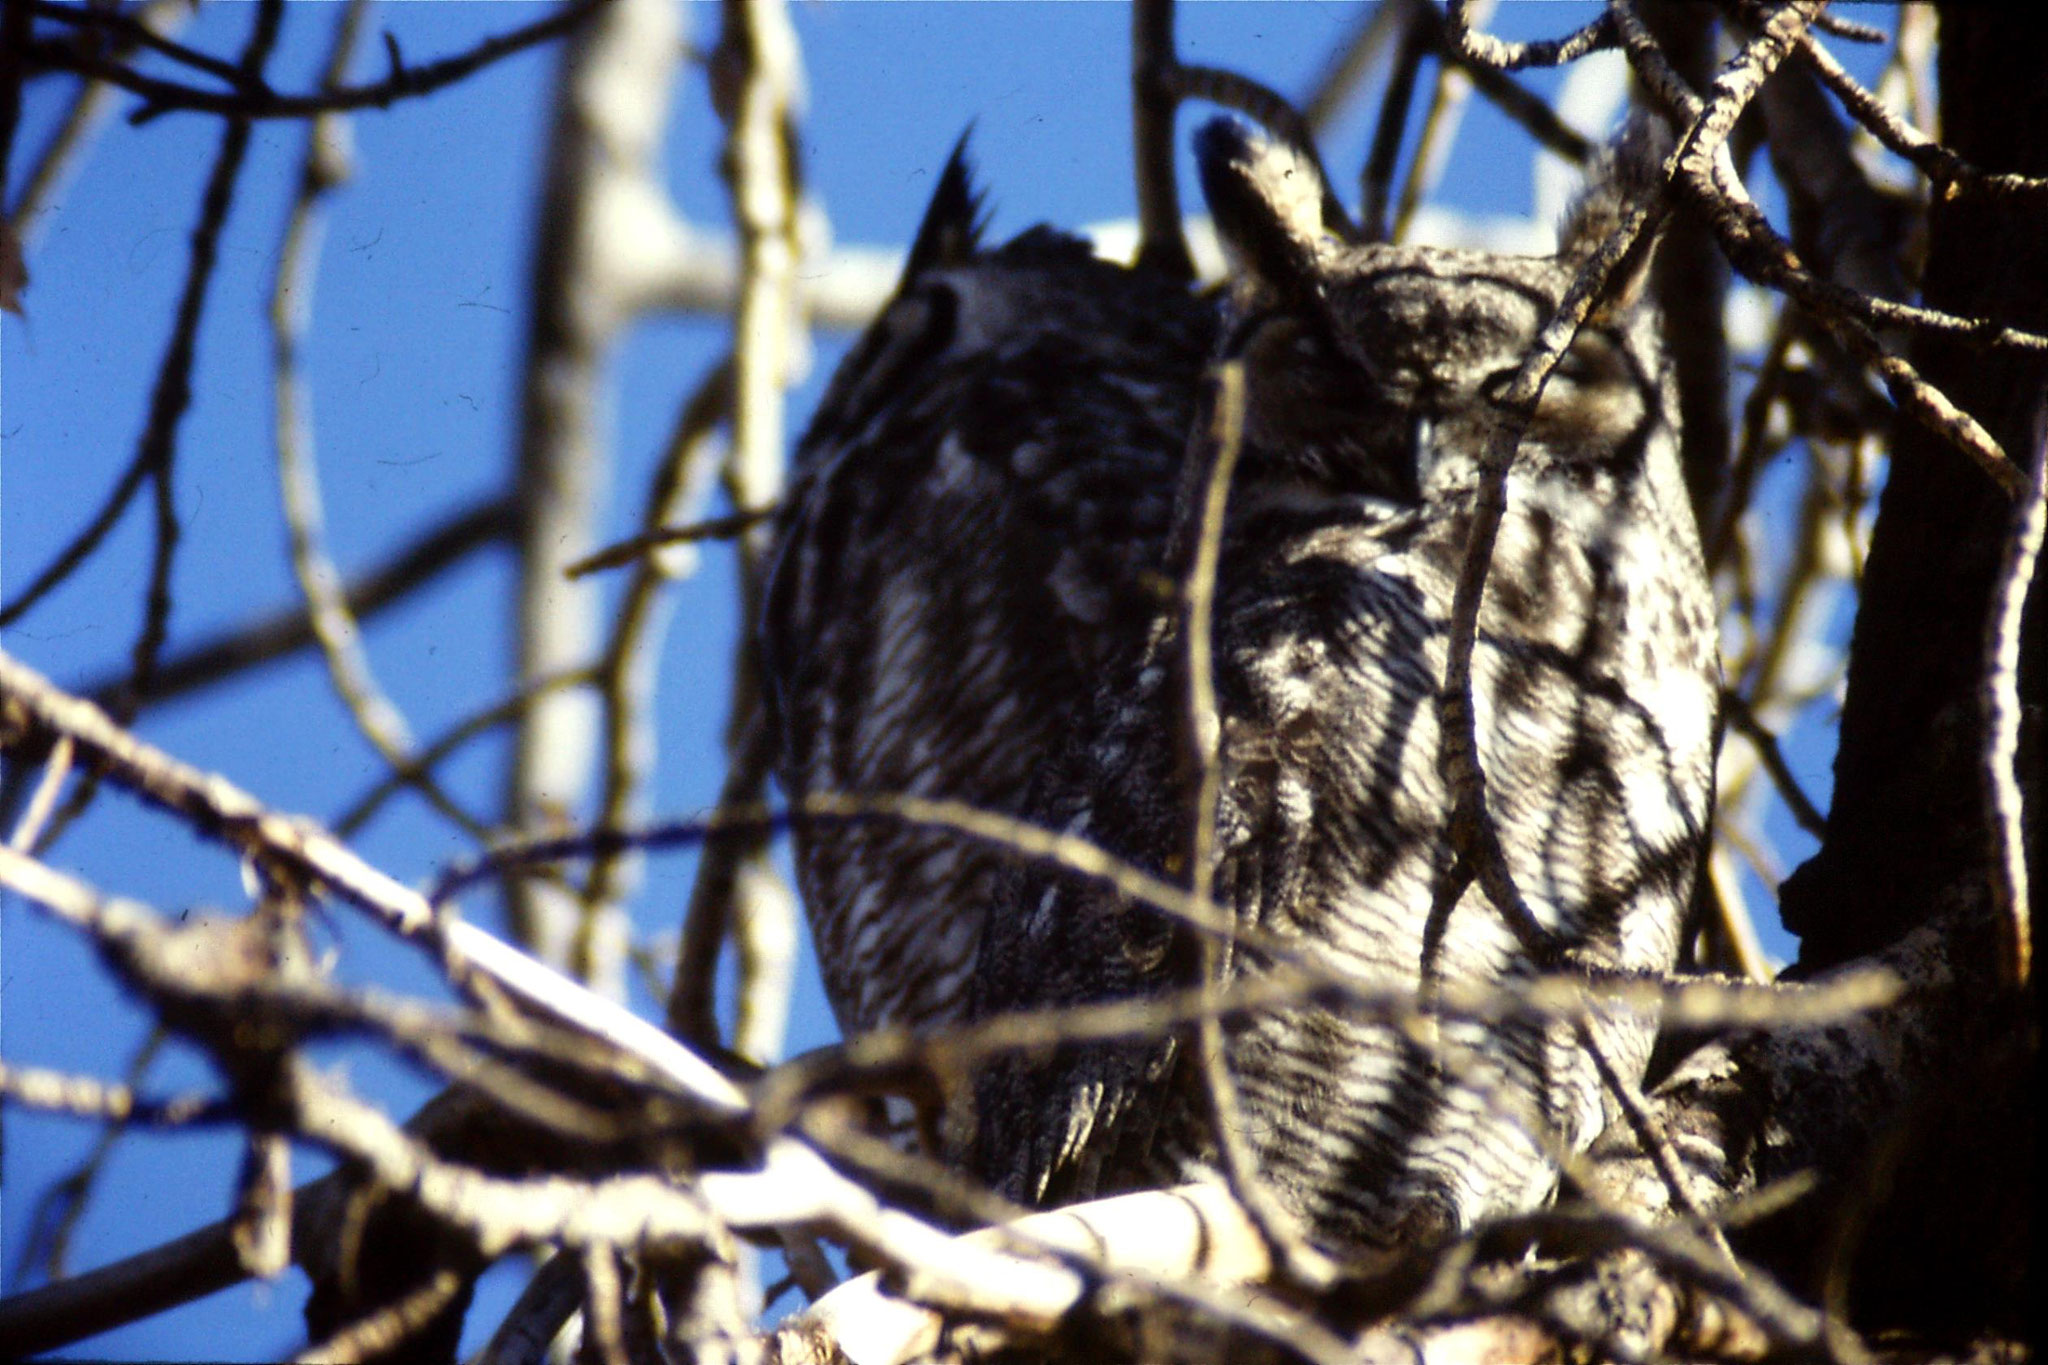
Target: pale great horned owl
(1369, 371)
(977, 513)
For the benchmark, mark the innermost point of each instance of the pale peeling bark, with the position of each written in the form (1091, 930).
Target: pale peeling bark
(607, 236)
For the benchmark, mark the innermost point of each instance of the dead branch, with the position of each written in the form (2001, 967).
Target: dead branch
(604, 225)
(739, 894)
(625, 677)
(2011, 880)
(252, 97)
(1161, 243)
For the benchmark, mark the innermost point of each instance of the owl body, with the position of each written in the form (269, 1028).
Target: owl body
(1368, 373)
(977, 513)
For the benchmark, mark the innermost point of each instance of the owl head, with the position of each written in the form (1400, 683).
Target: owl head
(1373, 368)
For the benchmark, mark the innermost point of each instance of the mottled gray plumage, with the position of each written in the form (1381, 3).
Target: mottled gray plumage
(978, 508)
(1368, 372)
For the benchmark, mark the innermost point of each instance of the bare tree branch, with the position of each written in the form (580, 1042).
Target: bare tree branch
(82, 119)
(1377, 178)
(1161, 244)
(1744, 720)
(156, 452)
(599, 198)
(415, 564)
(711, 528)
(625, 676)
(738, 894)
(37, 713)
(1439, 131)
(2011, 880)
(254, 99)
(1502, 55)
(324, 167)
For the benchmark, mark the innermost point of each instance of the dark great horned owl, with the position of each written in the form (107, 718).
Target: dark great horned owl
(1369, 371)
(977, 512)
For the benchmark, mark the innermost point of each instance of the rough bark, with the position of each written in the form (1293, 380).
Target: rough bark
(1924, 1217)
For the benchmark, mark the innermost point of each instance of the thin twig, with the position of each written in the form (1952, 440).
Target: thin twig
(1377, 178)
(1753, 448)
(173, 392)
(1439, 131)
(85, 1097)
(604, 1328)
(82, 119)
(416, 564)
(55, 769)
(625, 676)
(171, 395)
(403, 83)
(1345, 69)
(1524, 106)
(1690, 281)
(217, 809)
(1754, 247)
(63, 1206)
(1202, 738)
(1688, 1001)
(636, 547)
(886, 1058)
(379, 1335)
(1161, 244)
(260, 1225)
(1737, 925)
(430, 756)
(427, 758)
(1654, 1141)
(1736, 707)
(1517, 403)
(133, 30)
(1940, 164)
(339, 635)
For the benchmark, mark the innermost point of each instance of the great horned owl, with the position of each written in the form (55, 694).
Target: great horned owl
(1369, 371)
(978, 509)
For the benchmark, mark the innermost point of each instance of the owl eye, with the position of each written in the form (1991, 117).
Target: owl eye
(1496, 383)
(1592, 359)
(1573, 367)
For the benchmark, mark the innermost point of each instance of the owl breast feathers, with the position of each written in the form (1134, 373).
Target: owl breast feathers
(1375, 1111)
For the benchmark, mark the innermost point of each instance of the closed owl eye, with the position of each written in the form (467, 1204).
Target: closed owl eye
(1573, 367)
(1496, 383)
(1592, 398)
(1592, 359)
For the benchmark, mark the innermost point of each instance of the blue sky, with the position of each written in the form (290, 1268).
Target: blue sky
(413, 366)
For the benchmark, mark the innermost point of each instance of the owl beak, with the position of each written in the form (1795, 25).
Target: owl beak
(1421, 451)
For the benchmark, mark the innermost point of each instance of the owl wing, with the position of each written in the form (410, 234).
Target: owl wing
(979, 501)
(1078, 1119)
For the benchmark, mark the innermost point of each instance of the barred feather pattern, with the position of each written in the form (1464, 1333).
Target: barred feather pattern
(978, 510)
(1377, 1115)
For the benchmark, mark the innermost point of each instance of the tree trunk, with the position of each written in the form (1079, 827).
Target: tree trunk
(1931, 1221)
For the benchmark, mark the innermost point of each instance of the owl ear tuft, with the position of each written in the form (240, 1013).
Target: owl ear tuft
(1268, 201)
(953, 221)
(1625, 172)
